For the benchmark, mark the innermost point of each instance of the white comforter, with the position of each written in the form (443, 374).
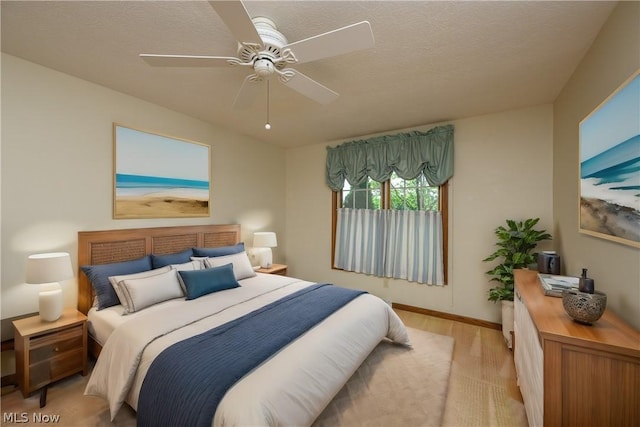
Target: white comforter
(291, 388)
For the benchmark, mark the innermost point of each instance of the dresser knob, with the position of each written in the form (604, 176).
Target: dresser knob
(56, 349)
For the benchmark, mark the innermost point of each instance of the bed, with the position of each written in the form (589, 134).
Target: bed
(289, 386)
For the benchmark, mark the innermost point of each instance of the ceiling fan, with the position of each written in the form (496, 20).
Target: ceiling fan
(267, 52)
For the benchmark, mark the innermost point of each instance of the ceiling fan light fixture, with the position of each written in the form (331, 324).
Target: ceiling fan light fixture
(263, 67)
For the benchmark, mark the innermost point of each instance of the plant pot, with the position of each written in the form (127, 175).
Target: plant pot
(507, 321)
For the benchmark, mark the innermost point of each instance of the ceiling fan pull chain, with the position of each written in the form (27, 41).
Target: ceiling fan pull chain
(267, 126)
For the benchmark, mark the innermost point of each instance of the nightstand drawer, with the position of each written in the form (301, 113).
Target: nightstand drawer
(47, 345)
(55, 339)
(52, 369)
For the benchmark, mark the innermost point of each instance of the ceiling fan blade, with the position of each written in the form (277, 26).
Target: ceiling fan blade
(248, 93)
(309, 87)
(337, 42)
(186, 60)
(237, 19)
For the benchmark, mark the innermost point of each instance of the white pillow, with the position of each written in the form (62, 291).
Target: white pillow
(241, 265)
(115, 280)
(188, 266)
(196, 264)
(199, 259)
(147, 291)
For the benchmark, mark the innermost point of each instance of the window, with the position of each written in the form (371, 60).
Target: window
(393, 227)
(367, 195)
(397, 194)
(414, 194)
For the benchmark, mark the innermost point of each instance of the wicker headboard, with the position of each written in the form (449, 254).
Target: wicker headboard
(107, 246)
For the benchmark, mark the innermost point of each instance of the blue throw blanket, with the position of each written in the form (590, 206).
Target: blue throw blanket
(186, 382)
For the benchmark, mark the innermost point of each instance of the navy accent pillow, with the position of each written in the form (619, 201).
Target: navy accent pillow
(202, 282)
(220, 251)
(99, 277)
(177, 258)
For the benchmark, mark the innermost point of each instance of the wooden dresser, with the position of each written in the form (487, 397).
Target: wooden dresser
(572, 374)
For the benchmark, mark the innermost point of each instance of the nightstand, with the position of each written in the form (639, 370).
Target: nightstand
(49, 351)
(280, 269)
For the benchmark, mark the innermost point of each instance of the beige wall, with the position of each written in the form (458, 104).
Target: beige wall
(503, 169)
(613, 57)
(57, 171)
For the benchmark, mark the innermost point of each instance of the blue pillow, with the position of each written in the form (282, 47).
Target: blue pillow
(219, 251)
(176, 258)
(202, 282)
(99, 277)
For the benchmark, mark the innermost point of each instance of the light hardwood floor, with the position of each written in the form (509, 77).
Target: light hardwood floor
(482, 384)
(482, 387)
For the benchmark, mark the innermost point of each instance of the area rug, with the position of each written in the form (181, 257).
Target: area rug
(396, 386)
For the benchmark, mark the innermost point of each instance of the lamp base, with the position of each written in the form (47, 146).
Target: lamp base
(266, 257)
(50, 302)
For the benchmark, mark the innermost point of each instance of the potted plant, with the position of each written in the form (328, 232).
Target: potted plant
(515, 243)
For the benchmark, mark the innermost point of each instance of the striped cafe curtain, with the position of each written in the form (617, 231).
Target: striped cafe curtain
(401, 244)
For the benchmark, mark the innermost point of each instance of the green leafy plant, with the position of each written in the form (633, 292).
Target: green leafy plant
(515, 245)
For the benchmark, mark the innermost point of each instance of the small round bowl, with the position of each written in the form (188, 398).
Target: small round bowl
(583, 307)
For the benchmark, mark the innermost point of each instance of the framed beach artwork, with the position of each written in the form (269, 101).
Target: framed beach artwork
(157, 176)
(610, 167)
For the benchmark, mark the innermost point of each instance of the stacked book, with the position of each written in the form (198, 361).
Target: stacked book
(553, 284)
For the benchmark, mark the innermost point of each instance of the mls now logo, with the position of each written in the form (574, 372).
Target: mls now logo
(23, 417)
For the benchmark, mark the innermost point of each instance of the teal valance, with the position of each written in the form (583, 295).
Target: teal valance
(406, 154)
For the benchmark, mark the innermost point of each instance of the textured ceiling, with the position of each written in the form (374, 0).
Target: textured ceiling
(432, 61)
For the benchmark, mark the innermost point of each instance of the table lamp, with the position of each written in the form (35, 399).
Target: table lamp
(265, 240)
(47, 270)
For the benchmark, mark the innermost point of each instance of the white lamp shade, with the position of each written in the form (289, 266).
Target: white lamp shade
(265, 239)
(49, 268)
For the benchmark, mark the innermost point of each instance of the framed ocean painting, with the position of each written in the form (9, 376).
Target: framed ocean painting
(157, 176)
(610, 167)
